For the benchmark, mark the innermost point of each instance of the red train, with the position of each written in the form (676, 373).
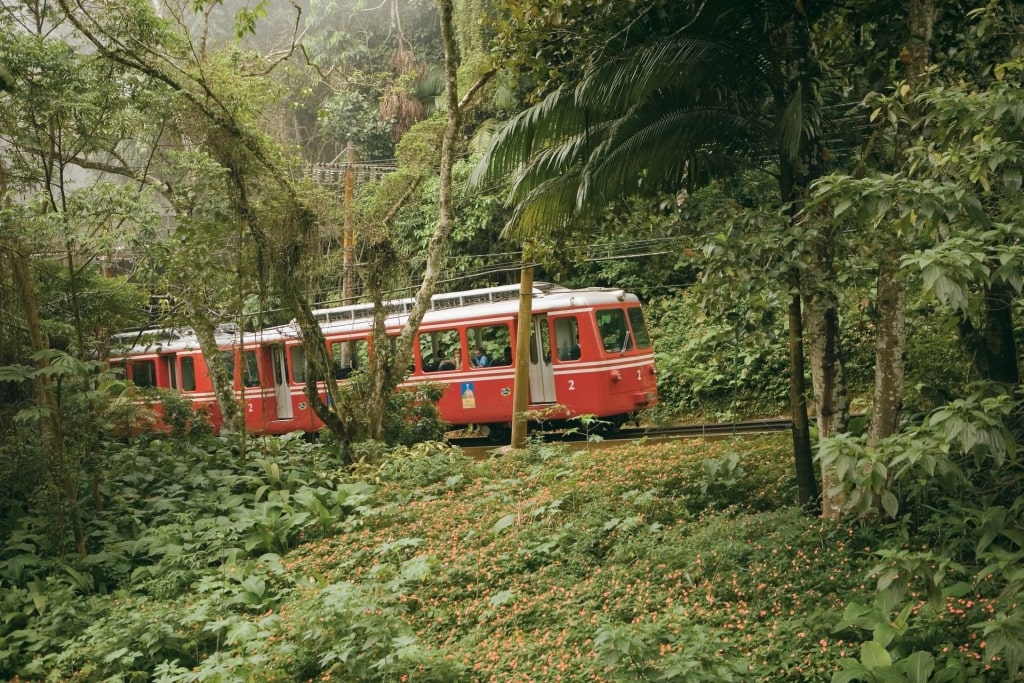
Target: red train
(590, 354)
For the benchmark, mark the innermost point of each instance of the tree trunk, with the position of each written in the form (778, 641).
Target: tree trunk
(890, 342)
(64, 479)
(1000, 343)
(832, 407)
(822, 334)
(389, 377)
(223, 387)
(890, 297)
(807, 491)
(992, 351)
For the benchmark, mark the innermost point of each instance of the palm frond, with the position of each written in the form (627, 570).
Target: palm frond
(546, 123)
(682, 64)
(549, 206)
(552, 162)
(633, 158)
(655, 116)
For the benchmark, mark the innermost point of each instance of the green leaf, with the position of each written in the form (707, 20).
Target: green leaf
(851, 671)
(918, 666)
(502, 597)
(890, 504)
(15, 373)
(503, 523)
(874, 655)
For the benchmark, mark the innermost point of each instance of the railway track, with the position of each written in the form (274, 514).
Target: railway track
(707, 430)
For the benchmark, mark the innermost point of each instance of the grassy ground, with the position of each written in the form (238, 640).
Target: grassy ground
(686, 561)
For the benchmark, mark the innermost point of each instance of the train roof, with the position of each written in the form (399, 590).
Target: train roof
(484, 303)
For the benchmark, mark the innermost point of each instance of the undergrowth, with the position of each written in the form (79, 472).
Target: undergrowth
(686, 561)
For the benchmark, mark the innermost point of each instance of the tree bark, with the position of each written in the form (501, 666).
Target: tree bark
(223, 387)
(822, 333)
(890, 342)
(890, 301)
(1000, 342)
(807, 490)
(992, 351)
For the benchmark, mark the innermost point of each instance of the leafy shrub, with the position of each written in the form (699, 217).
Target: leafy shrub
(721, 367)
(952, 484)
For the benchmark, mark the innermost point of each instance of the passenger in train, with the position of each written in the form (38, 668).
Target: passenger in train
(505, 359)
(480, 359)
(446, 363)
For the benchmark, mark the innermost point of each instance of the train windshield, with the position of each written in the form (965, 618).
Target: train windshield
(611, 324)
(636, 321)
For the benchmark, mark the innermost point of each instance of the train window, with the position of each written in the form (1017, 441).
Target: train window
(144, 373)
(298, 364)
(567, 338)
(229, 364)
(349, 356)
(251, 376)
(188, 373)
(493, 342)
(611, 325)
(440, 350)
(636, 321)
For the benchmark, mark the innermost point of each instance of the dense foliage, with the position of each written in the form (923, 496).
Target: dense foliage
(675, 561)
(861, 161)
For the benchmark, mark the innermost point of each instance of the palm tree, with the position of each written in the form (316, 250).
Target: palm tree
(726, 83)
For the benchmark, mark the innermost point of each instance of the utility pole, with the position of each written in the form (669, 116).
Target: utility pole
(347, 295)
(521, 391)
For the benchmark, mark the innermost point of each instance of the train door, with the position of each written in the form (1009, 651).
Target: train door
(542, 377)
(282, 392)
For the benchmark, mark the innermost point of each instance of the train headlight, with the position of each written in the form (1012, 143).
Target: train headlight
(615, 375)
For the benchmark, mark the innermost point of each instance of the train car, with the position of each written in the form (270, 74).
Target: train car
(590, 354)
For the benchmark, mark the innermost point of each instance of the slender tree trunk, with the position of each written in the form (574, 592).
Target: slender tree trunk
(796, 172)
(822, 332)
(223, 387)
(890, 301)
(992, 351)
(65, 481)
(807, 490)
(999, 336)
(388, 378)
(890, 342)
(827, 375)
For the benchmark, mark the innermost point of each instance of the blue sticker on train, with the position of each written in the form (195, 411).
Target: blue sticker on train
(468, 395)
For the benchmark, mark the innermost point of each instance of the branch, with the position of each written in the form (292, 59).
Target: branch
(397, 206)
(473, 89)
(124, 171)
(295, 41)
